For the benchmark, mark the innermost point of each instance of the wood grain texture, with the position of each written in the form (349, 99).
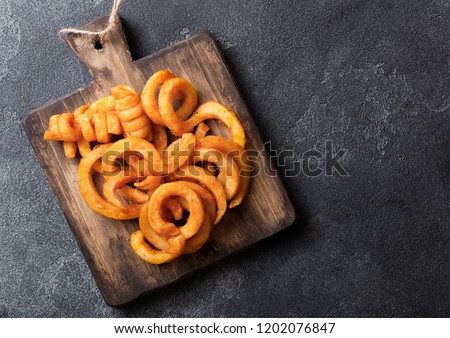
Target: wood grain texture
(121, 275)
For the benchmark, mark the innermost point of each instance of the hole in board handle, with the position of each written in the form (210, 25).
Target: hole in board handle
(98, 45)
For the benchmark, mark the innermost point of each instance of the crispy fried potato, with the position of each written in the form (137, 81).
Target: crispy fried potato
(62, 127)
(147, 178)
(229, 170)
(175, 120)
(201, 130)
(237, 153)
(70, 149)
(199, 175)
(90, 193)
(159, 137)
(208, 110)
(113, 183)
(173, 247)
(131, 114)
(168, 229)
(148, 95)
(194, 243)
(153, 163)
(183, 91)
(104, 105)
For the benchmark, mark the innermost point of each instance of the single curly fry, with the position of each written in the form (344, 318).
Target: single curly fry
(186, 94)
(168, 229)
(150, 183)
(148, 95)
(198, 174)
(237, 153)
(132, 194)
(175, 120)
(173, 248)
(152, 163)
(131, 114)
(70, 149)
(90, 193)
(178, 152)
(104, 105)
(194, 243)
(101, 128)
(169, 248)
(113, 123)
(208, 110)
(62, 127)
(159, 137)
(84, 147)
(112, 183)
(201, 130)
(172, 209)
(215, 110)
(228, 168)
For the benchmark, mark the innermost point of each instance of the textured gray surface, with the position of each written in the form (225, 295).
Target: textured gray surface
(373, 77)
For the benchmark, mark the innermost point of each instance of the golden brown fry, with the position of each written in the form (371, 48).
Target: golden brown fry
(133, 194)
(208, 110)
(164, 235)
(104, 105)
(184, 92)
(237, 153)
(70, 149)
(101, 128)
(153, 163)
(199, 175)
(62, 127)
(168, 229)
(194, 243)
(148, 95)
(215, 110)
(84, 147)
(90, 193)
(175, 120)
(112, 183)
(169, 248)
(159, 137)
(201, 130)
(228, 168)
(130, 112)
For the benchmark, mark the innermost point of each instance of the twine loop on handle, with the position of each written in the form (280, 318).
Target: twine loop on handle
(111, 23)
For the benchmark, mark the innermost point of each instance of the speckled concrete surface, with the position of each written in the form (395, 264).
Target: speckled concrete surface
(371, 76)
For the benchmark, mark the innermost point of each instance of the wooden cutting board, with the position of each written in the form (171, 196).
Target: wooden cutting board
(120, 275)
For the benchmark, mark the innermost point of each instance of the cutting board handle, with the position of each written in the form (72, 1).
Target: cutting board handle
(106, 56)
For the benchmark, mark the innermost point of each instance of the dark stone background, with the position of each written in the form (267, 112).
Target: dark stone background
(371, 76)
